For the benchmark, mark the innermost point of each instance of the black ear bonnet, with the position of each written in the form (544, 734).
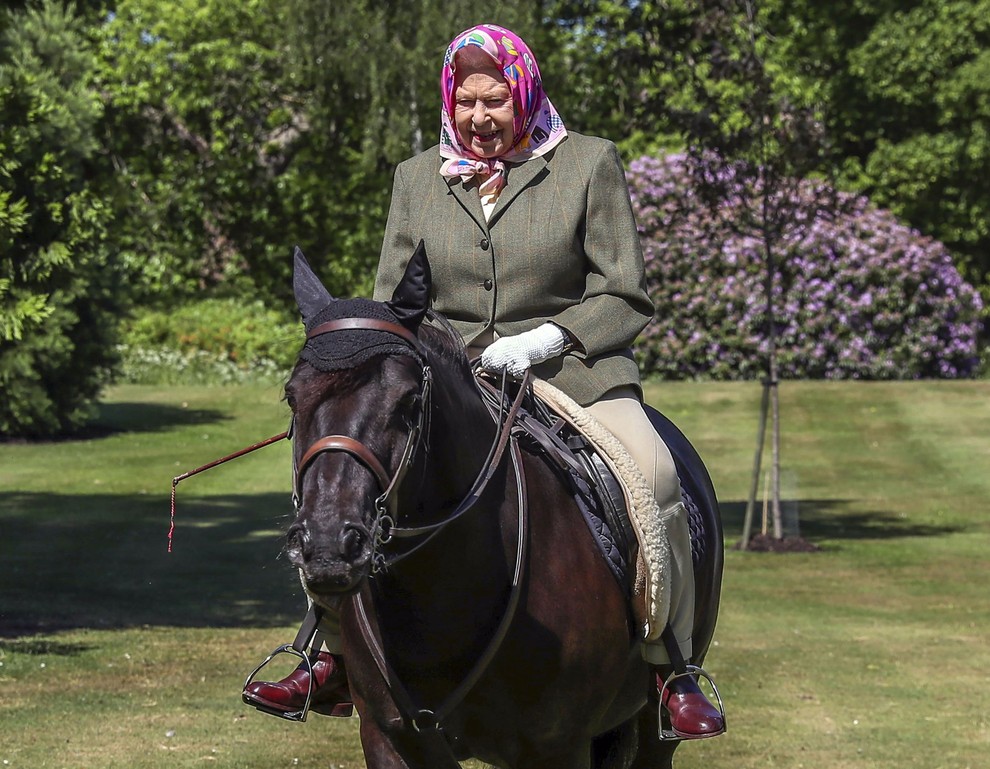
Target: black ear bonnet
(350, 348)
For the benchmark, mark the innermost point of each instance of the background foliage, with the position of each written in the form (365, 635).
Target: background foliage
(155, 152)
(60, 287)
(858, 294)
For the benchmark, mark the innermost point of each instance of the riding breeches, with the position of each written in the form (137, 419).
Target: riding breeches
(621, 412)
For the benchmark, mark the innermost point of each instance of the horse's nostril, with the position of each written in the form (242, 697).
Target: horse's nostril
(352, 542)
(296, 541)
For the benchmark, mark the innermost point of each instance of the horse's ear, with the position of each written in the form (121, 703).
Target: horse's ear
(311, 295)
(411, 299)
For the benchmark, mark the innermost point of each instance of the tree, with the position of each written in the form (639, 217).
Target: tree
(201, 125)
(908, 89)
(707, 71)
(60, 287)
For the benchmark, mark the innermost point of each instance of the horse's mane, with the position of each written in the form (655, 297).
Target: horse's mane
(443, 340)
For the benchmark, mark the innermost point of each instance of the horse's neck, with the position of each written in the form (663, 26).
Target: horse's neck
(461, 436)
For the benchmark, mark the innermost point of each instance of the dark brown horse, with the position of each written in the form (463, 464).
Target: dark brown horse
(478, 617)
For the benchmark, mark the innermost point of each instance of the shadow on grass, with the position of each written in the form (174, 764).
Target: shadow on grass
(115, 418)
(101, 561)
(151, 417)
(831, 519)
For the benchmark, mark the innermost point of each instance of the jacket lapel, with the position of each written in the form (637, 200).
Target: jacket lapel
(519, 177)
(469, 200)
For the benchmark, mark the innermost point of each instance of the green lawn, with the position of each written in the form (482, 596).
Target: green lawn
(872, 652)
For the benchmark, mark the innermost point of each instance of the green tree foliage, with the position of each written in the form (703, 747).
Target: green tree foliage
(927, 71)
(201, 125)
(244, 127)
(60, 288)
(908, 91)
(903, 87)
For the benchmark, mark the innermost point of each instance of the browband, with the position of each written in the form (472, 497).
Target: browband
(368, 324)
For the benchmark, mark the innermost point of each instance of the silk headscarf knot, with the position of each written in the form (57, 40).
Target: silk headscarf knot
(536, 126)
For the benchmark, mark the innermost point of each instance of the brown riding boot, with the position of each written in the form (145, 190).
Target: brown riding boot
(692, 716)
(331, 695)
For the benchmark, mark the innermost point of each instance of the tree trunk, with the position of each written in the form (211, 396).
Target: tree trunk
(757, 464)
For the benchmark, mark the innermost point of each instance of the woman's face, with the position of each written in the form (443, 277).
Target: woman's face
(483, 111)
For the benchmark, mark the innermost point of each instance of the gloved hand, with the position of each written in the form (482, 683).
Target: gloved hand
(517, 353)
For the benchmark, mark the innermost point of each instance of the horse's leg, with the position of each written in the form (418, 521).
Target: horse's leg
(404, 750)
(653, 753)
(573, 758)
(617, 749)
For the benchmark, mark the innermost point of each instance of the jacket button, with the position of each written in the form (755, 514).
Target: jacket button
(488, 284)
(484, 244)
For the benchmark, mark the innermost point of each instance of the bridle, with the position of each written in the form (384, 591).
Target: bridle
(384, 527)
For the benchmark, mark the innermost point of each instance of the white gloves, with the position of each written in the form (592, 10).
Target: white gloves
(517, 353)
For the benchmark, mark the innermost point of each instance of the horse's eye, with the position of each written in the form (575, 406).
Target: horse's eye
(409, 406)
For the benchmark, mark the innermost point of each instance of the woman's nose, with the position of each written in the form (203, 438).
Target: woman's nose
(480, 113)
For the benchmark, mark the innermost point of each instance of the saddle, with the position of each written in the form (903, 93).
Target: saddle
(596, 489)
(608, 488)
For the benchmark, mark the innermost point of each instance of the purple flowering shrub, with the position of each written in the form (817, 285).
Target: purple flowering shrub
(857, 295)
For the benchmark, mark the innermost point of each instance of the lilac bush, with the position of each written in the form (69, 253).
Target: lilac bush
(857, 295)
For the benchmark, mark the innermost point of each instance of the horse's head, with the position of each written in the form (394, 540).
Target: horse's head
(357, 396)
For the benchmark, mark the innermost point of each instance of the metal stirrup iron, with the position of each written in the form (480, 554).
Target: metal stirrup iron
(681, 670)
(306, 646)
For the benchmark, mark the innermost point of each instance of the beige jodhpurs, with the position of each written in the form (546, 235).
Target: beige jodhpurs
(621, 412)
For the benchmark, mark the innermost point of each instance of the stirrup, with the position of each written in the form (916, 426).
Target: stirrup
(289, 715)
(665, 732)
(308, 636)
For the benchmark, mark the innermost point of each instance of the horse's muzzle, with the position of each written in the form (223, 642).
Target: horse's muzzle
(335, 561)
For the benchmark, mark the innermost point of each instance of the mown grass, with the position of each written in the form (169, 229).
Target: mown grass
(869, 653)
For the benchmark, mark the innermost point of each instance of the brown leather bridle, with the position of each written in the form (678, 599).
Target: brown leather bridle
(384, 522)
(384, 528)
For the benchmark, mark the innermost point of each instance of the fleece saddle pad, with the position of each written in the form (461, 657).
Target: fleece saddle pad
(652, 568)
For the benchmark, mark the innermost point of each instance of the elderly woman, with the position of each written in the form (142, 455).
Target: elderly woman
(536, 262)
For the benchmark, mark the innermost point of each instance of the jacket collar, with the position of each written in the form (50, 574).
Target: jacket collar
(517, 179)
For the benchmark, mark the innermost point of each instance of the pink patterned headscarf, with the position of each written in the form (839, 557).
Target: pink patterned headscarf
(536, 126)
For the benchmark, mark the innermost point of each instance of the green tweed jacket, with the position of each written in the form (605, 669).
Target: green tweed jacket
(561, 245)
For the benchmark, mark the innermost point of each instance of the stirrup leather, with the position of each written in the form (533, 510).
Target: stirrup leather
(306, 646)
(665, 732)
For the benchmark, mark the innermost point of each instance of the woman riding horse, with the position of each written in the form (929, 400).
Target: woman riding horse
(536, 262)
